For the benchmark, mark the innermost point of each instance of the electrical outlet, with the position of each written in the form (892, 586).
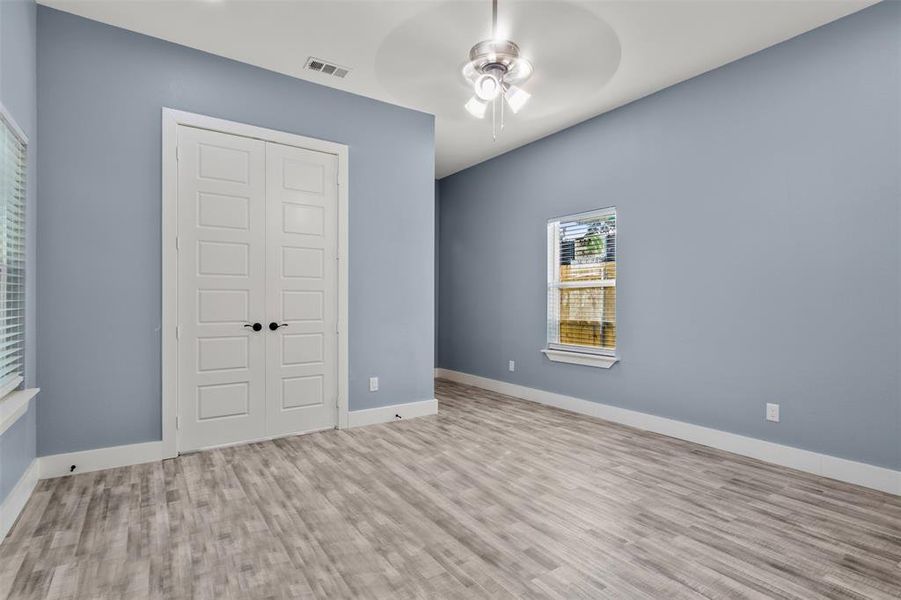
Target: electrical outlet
(512, 366)
(772, 412)
(373, 384)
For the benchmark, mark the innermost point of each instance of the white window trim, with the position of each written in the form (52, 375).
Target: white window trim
(581, 349)
(14, 405)
(14, 402)
(588, 359)
(10, 387)
(6, 116)
(603, 358)
(10, 395)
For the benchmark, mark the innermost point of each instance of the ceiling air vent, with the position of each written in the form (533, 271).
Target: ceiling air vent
(322, 66)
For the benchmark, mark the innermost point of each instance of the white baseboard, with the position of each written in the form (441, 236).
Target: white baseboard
(59, 465)
(86, 461)
(849, 471)
(15, 501)
(384, 414)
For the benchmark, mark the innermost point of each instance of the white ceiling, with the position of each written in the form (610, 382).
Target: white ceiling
(589, 56)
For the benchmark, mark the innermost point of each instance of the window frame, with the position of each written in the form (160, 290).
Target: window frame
(15, 383)
(573, 353)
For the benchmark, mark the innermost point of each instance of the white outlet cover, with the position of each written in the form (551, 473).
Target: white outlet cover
(373, 384)
(772, 412)
(512, 365)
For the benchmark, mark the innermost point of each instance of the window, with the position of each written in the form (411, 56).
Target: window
(581, 287)
(12, 255)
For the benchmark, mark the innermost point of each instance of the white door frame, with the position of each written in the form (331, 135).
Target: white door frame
(171, 120)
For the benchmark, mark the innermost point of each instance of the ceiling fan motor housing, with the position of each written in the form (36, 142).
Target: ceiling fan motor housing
(500, 59)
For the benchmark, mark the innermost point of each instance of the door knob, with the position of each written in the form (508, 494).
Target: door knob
(255, 326)
(273, 326)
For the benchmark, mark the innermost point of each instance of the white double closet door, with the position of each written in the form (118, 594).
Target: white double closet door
(257, 244)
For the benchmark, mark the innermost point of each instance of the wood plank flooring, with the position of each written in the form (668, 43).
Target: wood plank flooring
(492, 498)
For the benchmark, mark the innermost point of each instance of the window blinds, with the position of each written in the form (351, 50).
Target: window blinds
(12, 256)
(582, 282)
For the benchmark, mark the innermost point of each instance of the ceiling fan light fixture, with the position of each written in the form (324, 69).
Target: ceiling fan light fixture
(476, 107)
(487, 87)
(516, 98)
(495, 71)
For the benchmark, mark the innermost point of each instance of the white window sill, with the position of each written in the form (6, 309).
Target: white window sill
(14, 405)
(580, 358)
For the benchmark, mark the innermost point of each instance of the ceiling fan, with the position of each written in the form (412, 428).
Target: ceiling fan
(496, 71)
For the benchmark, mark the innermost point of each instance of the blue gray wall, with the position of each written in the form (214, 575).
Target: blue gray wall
(17, 450)
(17, 93)
(758, 250)
(100, 93)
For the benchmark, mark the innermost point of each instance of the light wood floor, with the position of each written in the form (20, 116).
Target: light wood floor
(493, 498)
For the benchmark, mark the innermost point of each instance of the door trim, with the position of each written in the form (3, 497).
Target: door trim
(171, 119)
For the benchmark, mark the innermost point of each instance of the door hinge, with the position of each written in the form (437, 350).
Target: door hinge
(176, 242)
(177, 331)
(177, 423)
(176, 154)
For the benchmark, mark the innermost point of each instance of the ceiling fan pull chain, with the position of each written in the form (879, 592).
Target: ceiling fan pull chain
(494, 120)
